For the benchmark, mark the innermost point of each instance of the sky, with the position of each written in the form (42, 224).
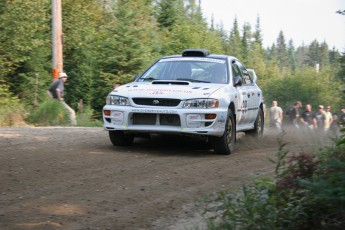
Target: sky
(303, 21)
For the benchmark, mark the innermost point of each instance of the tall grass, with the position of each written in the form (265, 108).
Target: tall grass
(11, 110)
(52, 113)
(86, 118)
(49, 113)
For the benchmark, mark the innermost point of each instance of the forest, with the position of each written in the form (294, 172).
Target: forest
(107, 42)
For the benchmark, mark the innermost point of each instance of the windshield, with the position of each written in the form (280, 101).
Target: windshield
(204, 70)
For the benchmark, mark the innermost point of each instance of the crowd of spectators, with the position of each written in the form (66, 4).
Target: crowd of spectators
(322, 120)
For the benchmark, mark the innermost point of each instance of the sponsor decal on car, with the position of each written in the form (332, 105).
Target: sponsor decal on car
(165, 111)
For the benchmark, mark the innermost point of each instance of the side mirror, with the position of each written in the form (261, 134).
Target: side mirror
(237, 81)
(255, 78)
(252, 74)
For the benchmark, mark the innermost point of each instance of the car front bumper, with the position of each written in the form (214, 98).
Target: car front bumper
(210, 122)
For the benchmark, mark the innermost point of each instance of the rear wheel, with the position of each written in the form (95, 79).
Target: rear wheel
(258, 125)
(120, 138)
(226, 143)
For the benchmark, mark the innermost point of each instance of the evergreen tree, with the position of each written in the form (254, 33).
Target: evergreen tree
(257, 34)
(282, 54)
(25, 47)
(256, 58)
(246, 42)
(234, 47)
(124, 47)
(341, 73)
(334, 57)
(292, 56)
(166, 13)
(314, 54)
(272, 70)
(223, 35)
(82, 26)
(324, 55)
(301, 55)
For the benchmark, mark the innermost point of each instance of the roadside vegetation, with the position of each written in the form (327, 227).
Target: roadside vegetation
(307, 192)
(108, 42)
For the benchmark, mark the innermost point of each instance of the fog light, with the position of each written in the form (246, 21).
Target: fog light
(117, 118)
(193, 120)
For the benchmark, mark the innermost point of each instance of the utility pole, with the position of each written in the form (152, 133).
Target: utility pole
(57, 38)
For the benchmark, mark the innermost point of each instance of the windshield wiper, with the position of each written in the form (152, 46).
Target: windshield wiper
(147, 79)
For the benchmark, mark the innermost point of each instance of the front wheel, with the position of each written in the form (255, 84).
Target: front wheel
(120, 138)
(258, 125)
(226, 143)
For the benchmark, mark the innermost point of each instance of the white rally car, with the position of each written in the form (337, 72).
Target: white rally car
(196, 93)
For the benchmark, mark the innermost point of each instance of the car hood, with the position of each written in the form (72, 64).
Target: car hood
(172, 89)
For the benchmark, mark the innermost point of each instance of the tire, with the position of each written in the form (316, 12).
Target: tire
(226, 143)
(119, 138)
(258, 125)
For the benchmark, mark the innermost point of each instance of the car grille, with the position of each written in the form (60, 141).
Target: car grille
(157, 101)
(156, 119)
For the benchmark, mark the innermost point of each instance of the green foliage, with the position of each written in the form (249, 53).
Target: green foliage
(53, 113)
(25, 44)
(10, 106)
(108, 42)
(86, 119)
(257, 206)
(307, 193)
(49, 113)
(330, 185)
(234, 45)
(282, 52)
(307, 86)
(166, 13)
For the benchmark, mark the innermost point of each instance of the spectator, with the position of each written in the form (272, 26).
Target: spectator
(320, 118)
(328, 118)
(276, 116)
(335, 126)
(308, 117)
(293, 114)
(56, 91)
(341, 121)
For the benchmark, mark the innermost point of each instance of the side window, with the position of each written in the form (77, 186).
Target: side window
(236, 70)
(245, 75)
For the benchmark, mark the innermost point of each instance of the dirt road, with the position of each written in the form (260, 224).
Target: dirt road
(73, 178)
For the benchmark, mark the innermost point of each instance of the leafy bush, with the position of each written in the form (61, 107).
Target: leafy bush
(307, 193)
(256, 206)
(10, 107)
(327, 187)
(50, 112)
(86, 118)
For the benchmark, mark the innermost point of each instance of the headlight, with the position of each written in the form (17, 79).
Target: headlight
(201, 103)
(117, 100)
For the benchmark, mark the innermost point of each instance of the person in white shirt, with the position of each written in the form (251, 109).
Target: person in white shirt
(276, 116)
(328, 118)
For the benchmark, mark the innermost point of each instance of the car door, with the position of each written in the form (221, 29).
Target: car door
(241, 95)
(247, 92)
(253, 94)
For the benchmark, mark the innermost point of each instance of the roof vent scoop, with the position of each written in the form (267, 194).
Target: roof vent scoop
(195, 53)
